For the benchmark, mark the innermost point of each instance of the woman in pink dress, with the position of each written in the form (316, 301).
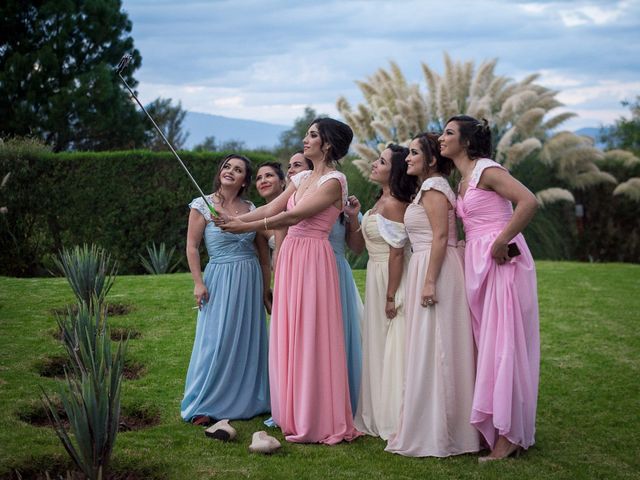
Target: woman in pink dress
(307, 364)
(500, 280)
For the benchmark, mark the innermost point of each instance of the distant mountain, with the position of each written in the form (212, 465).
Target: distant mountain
(262, 134)
(593, 132)
(254, 134)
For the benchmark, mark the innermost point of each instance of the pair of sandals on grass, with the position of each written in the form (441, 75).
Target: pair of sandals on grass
(261, 442)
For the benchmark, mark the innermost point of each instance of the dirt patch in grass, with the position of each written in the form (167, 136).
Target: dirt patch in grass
(58, 467)
(132, 417)
(54, 366)
(120, 333)
(113, 309)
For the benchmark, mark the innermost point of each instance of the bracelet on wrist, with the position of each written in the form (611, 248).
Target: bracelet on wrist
(266, 227)
(391, 298)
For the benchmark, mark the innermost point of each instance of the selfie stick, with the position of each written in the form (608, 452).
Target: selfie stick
(124, 61)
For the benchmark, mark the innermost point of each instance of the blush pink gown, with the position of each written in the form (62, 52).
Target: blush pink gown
(310, 399)
(504, 309)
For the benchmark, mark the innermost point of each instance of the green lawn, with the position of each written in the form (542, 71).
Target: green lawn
(588, 409)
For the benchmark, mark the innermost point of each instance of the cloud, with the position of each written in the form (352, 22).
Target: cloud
(267, 60)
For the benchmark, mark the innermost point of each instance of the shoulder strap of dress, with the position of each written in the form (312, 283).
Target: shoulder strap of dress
(299, 177)
(440, 184)
(481, 165)
(343, 183)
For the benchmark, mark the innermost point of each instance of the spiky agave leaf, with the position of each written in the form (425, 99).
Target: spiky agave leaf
(629, 189)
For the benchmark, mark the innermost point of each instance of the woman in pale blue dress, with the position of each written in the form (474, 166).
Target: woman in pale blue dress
(228, 371)
(352, 307)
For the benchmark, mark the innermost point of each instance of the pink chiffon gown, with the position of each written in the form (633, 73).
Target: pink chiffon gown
(310, 399)
(504, 308)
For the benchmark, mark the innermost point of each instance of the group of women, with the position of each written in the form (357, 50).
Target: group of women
(442, 360)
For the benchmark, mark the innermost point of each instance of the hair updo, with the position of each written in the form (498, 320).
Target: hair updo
(335, 133)
(401, 185)
(431, 149)
(475, 136)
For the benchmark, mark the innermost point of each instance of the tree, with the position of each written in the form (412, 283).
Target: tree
(519, 112)
(232, 145)
(56, 74)
(207, 145)
(561, 167)
(625, 133)
(291, 140)
(169, 119)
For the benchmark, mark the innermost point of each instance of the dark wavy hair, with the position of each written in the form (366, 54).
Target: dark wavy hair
(247, 177)
(431, 149)
(401, 185)
(277, 167)
(475, 136)
(337, 134)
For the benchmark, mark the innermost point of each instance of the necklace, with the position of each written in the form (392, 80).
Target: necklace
(217, 200)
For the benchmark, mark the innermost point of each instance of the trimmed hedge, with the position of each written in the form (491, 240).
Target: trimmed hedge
(121, 201)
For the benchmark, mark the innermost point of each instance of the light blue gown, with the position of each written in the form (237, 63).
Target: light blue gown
(352, 310)
(228, 371)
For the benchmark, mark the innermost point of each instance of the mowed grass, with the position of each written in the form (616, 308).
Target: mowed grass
(588, 410)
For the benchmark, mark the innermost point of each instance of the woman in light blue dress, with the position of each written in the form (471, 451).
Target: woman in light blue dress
(352, 307)
(228, 371)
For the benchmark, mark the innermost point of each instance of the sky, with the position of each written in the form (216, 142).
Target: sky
(267, 60)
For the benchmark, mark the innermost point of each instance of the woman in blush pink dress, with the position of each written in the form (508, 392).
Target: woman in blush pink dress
(500, 280)
(307, 364)
(440, 367)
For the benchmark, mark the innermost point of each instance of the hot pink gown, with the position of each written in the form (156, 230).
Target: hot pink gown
(504, 309)
(307, 364)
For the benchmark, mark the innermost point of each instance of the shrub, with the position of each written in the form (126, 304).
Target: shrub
(89, 271)
(91, 393)
(159, 259)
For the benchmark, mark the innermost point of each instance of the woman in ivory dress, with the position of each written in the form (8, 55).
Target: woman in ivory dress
(383, 326)
(439, 379)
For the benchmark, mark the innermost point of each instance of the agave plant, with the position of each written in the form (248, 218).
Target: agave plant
(91, 393)
(159, 259)
(89, 271)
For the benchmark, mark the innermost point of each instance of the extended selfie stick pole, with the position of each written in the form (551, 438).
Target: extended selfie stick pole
(119, 69)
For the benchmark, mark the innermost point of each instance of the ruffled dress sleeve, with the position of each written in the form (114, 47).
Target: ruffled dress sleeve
(299, 177)
(199, 205)
(481, 165)
(394, 233)
(440, 184)
(343, 183)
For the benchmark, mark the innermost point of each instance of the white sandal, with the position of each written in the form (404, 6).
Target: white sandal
(221, 431)
(263, 443)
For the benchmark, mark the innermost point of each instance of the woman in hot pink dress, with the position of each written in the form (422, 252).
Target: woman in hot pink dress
(307, 363)
(500, 280)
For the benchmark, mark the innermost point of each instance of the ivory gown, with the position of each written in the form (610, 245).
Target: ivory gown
(383, 340)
